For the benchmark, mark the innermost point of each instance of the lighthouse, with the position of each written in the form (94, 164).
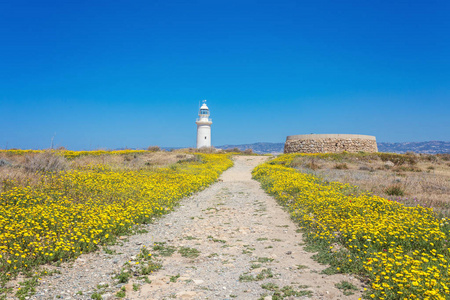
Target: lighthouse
(203, 127)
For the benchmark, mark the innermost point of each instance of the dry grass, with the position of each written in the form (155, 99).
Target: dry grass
(407, 178)
(26, 169)
(214, 150)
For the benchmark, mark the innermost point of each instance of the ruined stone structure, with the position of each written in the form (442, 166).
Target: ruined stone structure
(323, 143)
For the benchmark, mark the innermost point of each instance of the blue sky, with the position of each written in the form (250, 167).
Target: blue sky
(110, 74)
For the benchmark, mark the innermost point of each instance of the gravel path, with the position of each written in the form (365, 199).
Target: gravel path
(244, 238)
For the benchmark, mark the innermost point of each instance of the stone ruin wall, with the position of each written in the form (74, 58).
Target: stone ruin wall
(325, 143)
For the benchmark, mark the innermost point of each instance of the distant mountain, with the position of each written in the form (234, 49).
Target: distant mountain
(432, 147)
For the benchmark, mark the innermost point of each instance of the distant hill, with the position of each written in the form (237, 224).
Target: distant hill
(432, 147)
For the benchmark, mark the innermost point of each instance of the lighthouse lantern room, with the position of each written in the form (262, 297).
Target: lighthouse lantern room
(203, 127)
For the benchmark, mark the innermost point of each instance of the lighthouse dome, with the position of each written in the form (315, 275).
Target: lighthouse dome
(204, 110)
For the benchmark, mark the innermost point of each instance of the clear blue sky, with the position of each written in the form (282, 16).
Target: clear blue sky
(109, 74)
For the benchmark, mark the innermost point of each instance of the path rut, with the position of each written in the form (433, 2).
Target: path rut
(245, 241)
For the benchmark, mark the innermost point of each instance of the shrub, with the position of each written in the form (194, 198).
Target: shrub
(313, 165)
(206, 150)
(342, 166)
(4, 162)
(47, 161)
(235, 149)
(366, 168)
(248, 151)
(394, 190)
(398, 159)
(444, 156)
(153, 148)
(406, 169)
(430, 157)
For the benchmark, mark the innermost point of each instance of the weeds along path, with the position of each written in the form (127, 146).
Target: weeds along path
(229, 241)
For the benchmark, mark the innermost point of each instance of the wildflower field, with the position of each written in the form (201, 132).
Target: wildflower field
(72, 154)
(74, 211)
(401, 251)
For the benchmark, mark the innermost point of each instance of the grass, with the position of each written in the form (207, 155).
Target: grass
(216, 240)
(85, 200)
(147, 280)
(28, 286)
(301, 267)
(263, 260)
(284, 292)
(145, 264)
(410, 179)
(402, 251)
(123, 276)
(121, 293)
(109, 251)
(149, 268)
(96, 296)
(246, 278)
(346, 287)
(342, 166)
(189, 252)
(174, 278)
(270, 286)
(24, 166)
(101, 286)
(265, 273)
(164, 250)
(395, 190)
(248, 249)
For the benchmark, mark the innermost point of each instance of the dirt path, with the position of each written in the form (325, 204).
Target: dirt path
(245, 242)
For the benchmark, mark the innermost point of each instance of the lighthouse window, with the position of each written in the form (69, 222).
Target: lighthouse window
(205, 137)
(203, 111)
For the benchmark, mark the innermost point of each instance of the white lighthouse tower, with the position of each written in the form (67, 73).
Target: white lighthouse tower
(203, 127)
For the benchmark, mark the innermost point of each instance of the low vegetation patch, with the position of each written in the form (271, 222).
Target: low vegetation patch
(402, 251)
(346, 287)
(163, 249)
(188, 252)
(264, 260)
(265, 273)
(395, 190)
(66, 212)
(410, 179)
(137, 269)
(284, 292)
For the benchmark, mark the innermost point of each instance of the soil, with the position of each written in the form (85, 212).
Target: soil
(245, 240)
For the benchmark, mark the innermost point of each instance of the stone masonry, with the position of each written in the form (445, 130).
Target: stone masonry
(324, 143)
